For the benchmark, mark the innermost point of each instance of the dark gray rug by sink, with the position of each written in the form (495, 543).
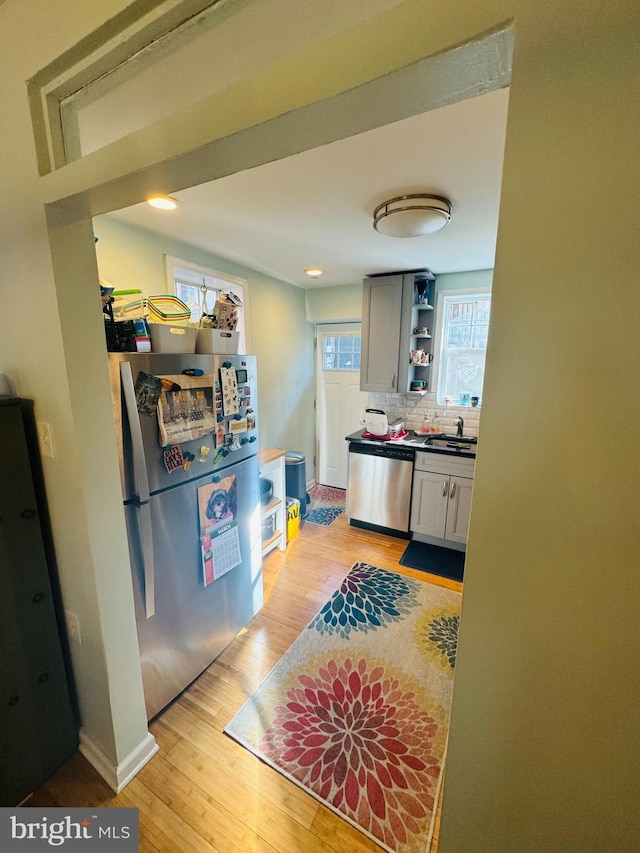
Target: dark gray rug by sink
(444, 562)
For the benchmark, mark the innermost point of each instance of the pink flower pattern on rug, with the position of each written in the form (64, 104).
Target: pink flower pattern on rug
(357, 710)
(328, 494)
(352, 734)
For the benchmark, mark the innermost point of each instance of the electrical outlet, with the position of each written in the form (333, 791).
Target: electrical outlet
(73, 626)
(45, 439)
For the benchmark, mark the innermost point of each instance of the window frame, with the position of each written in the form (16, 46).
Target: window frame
(195, 274)
(341, 334)
(459, 294)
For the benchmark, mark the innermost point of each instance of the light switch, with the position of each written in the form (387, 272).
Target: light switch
(45, 439)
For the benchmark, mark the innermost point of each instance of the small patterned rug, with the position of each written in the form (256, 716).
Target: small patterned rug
(356, 712)
(327, 504)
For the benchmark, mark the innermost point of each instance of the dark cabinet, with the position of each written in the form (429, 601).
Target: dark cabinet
(38, 727)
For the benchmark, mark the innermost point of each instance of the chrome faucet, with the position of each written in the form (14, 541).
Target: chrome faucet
(460, 425)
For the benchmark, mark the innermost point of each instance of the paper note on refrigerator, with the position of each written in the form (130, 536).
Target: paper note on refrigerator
(219, 538)
(230, 395)
(187, 413)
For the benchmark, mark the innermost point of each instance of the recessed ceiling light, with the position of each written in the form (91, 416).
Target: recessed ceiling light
(314, 272)
(162, 202)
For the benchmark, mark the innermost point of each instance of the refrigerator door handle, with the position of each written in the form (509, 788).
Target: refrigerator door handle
(137, 446)
(146, 535)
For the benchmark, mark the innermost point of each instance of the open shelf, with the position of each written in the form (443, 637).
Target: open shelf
(272, 467)
(271, 542)
(272, 506)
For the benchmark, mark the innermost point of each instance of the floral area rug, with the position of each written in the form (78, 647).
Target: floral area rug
(357, 710)
(327, 504)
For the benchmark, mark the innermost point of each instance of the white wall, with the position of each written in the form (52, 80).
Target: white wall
(279, 334)
(542, 751)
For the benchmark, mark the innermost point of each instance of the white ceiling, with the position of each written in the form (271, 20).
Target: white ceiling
(315, 208)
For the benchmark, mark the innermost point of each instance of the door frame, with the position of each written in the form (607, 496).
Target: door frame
(337, 327)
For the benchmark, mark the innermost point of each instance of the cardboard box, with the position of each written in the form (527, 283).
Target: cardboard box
(293, 518)
(217, 341)
(227, 311)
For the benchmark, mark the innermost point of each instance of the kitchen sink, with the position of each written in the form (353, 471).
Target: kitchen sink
(452, 444)
(442, 443)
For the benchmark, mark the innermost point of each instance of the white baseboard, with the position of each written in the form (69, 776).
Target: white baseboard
(117, 776)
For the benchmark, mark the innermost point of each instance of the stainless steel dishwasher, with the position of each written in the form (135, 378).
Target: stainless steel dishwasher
(379, 486)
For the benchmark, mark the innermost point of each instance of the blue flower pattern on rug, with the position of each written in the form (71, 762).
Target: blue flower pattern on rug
(367, 599)
(324, 515)
(327, 503)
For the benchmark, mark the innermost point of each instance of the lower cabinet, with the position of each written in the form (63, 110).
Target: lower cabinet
(441, 499)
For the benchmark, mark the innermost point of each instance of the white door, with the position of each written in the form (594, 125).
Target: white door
(340, 402)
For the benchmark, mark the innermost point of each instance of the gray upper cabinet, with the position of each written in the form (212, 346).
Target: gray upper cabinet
(389, 316)
(382, 301)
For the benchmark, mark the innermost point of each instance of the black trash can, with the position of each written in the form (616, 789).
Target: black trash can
(296, 478)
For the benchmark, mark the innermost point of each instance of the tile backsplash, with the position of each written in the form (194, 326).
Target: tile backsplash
(412, 409)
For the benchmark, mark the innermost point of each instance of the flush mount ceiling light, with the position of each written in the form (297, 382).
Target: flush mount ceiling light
(314, 272)
(412, 215)
(162, 202)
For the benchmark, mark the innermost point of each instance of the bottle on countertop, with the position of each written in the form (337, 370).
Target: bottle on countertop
(435, 423)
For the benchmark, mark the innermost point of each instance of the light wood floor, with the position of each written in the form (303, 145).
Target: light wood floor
(203, 792)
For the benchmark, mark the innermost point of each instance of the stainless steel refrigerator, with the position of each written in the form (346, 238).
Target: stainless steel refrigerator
(187, 427)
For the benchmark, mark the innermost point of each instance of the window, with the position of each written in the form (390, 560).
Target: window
(341, 352)
(464, 327)
(199, 287)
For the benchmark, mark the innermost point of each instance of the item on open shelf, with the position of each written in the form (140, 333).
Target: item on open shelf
(268, 527)
(106, 288)
(120, 335)
(420, 356)
(424, 288)
(266, 490)
(171, 338)
(127, 304)
(227, 311)
(293, 518)
(165, 308)
(217, 341)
